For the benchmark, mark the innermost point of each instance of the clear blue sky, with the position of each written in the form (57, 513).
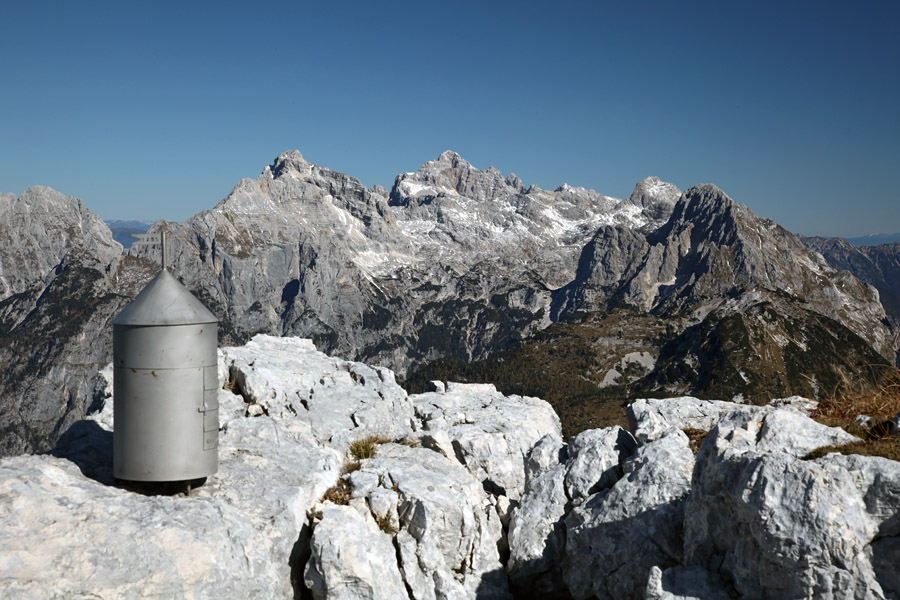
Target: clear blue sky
(155, 110)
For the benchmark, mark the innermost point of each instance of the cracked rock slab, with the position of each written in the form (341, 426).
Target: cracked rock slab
(489, 433)
(617, 535)
(351, 559)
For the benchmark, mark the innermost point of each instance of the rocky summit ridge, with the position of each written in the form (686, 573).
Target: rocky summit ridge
(453, 261)
(336, 484)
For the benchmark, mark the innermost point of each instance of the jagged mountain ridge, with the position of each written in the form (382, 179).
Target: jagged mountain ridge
(452, 261)
(713, 249)
(39, 228)
(876, 265)
(492, 244)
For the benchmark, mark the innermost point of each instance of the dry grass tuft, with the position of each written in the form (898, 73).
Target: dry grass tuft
(365, 448)
(339, 493)
(384, 523)
(888, 447)
(880, 402)
(695, 438)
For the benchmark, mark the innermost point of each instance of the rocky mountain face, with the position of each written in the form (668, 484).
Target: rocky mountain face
(453, 261)
(710, 251)
(56, 260)
(39, 229)
(876, 265)
(744, 308)
(458, 261)
(344, 487)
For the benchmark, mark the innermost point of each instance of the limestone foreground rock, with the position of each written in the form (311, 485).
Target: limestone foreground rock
(67, 531)
(489, 433)
(258, 528)
(433, 510)
(777, 524)
(618, 535)
(352, 558)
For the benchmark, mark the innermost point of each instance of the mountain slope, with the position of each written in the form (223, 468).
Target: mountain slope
(57, 258)
(39, 228)
(876, 265)
(713, 249)
(453, 261)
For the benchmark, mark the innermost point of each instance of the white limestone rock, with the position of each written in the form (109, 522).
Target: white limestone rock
(595, 459)
(489, 433)
(652, 418)
(549, 451)
(878, 482)
(778, 525)
(351, 559)
(333, 400)
(448, 530)
(537, 535)
(617, 535)
(66, 531)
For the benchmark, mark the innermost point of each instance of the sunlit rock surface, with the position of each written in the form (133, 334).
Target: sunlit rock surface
(68, 530)
(334, 484)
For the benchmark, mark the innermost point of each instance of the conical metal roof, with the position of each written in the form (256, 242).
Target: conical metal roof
(164, 301)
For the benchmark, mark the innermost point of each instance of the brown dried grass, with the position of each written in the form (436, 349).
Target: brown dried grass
(339, 493)
(880, 402)
(365, 448)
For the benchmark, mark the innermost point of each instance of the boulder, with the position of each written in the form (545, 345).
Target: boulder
(549, 451)
(777, 525)
(351, 559)
(335, 401)
(445, 528)
(878, 482)
(652, 418)
(489, 433)
(537, 535)
(595, 459)
(617, 535)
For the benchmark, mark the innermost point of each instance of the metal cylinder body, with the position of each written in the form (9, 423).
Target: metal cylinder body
(166, 413)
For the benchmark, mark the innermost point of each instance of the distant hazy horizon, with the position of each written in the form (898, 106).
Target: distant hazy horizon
(159, 110)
